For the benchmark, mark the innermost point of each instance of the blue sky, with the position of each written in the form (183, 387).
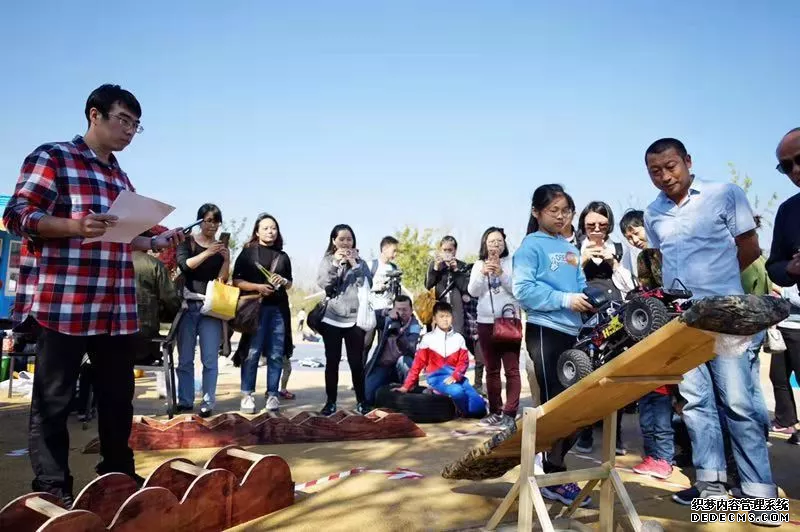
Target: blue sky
(381, 114)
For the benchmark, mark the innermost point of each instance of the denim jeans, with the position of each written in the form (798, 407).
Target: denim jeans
(727, 379)
(467, 400)
(655, 420)
(755, 371)
(383, 375)
(269, 340)
(209, 330)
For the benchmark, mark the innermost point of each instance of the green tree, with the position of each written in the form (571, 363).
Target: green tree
(765, 212)
(470, 258)
(235, 226)
(413, 256)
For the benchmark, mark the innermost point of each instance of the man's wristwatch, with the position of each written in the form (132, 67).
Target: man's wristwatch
(153, 247)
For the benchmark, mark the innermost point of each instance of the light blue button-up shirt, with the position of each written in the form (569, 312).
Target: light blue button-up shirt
(696, 238)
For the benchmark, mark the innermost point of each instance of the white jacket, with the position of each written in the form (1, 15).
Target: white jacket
(502, 295)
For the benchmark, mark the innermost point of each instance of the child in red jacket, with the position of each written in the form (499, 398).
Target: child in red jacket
(442, 353)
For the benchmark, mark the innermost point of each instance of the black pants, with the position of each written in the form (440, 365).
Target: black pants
(354, 344)
(544, 347)
(780, 370)
(57, 366)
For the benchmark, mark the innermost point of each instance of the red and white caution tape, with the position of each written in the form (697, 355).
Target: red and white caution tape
(395, 474)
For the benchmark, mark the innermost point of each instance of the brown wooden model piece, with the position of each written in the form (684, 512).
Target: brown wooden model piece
(234, 487)
(186, 432)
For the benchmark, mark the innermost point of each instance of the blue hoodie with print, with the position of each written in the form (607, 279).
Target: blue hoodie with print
(546, 273)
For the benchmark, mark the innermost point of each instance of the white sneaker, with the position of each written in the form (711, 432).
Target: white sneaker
(272, 403)
(248, 404)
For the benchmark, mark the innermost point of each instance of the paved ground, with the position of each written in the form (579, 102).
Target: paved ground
(371, 501)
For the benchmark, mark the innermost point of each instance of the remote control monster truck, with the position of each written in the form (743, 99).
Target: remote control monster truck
(616, 326)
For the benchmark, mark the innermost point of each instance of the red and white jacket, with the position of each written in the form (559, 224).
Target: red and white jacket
(437, 349)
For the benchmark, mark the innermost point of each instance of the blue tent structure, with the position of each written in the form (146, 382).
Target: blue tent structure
(9, 269)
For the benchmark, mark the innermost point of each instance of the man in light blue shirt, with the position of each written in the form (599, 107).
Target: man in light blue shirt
(706, 234)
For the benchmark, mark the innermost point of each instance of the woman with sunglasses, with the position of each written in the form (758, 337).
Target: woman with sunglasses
(201, 258)
(601, 260)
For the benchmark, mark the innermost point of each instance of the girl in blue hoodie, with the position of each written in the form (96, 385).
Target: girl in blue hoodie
(548, 283)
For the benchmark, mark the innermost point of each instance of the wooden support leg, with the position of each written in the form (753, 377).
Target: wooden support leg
(525, 514)
(541, 509)
(502, 510)
(609, 458)
(625, 499)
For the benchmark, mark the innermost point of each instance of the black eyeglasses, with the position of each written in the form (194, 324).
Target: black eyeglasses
(127, 123)
(785, 166)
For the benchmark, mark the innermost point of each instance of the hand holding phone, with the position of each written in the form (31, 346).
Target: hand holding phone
(225, 238)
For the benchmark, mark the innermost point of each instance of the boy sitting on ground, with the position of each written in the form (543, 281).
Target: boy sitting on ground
(442, 353)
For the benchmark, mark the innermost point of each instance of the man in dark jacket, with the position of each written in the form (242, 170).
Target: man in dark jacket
(157, 301)
(397, 345)
(783, 265)
(450, 276)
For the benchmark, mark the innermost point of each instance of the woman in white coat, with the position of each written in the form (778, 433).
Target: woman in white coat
(490, 282)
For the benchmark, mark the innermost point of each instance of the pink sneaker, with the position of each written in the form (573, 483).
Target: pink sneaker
(655, 468)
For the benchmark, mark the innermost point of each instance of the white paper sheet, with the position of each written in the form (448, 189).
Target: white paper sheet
(136, 215)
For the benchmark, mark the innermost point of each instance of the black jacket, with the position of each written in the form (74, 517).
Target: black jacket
(785, 241)
(441, 280)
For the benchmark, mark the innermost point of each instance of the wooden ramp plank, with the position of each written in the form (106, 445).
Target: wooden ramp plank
(672, 350)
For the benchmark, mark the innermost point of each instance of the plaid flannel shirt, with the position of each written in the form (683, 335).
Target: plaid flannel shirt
(471, 319)
(75, 289)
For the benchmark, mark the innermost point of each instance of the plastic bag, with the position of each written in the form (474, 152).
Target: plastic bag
(365, 320)
(731, 345)
(220, 301)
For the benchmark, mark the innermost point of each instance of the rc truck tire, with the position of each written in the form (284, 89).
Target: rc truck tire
(419, 407)
(572, 366)
(643, 316)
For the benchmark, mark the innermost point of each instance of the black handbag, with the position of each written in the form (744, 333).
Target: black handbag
(314, 319)
(248, 310)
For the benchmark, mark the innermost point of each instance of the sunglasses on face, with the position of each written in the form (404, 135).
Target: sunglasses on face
(785, 166)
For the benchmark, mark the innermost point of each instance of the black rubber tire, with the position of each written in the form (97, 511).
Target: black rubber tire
(644, 316)
(419, 407)
(572, 366)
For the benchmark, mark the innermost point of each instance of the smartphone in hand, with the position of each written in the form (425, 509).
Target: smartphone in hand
(225, 238)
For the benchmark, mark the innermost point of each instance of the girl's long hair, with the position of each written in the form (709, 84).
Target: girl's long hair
(334, 233)
(278, 244)
(542, 197)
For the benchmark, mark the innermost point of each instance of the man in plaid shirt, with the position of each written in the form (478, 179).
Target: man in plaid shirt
(80, 298)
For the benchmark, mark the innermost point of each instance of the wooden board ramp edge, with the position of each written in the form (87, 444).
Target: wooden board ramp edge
(620, 382)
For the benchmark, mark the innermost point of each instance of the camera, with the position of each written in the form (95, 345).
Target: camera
(394, 279)
(393, 327)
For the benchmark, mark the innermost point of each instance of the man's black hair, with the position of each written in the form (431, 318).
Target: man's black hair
(662, 145)
(402, 298)
(442, 306)
(105, 96)
(389, 241)
(632, 218)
